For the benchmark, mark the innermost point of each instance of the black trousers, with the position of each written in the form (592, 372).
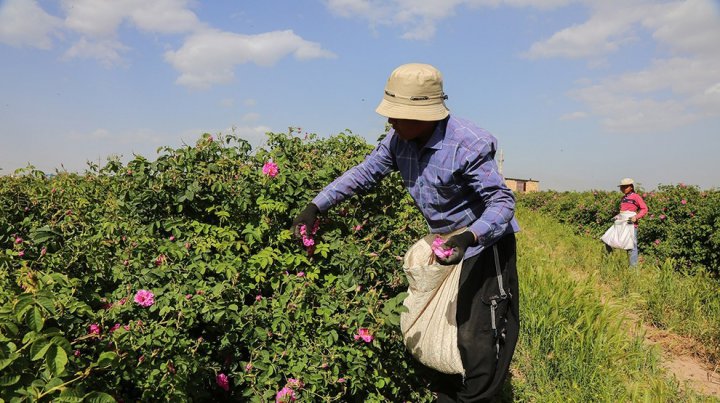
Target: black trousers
(488, 326)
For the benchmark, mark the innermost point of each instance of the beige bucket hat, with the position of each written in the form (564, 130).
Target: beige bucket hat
(627, 181)
(414, 91)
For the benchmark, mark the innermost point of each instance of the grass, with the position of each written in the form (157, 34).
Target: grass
(576, 340)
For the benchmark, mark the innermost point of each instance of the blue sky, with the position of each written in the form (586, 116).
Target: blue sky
(579, 93)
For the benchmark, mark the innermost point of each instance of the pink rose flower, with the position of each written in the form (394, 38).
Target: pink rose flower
(270, 169)
(172, 237)
(301, 274)
(222, 381)
(683, 201)
(657, 242)
(285, 395)
(258, 298)
(364, 334)
(341, 380)
(77, 353)
(115, 327)
(248, 367)
(94, 328)
(144, 298)
(439, 250)
(18, 240)
(43, 251)
(21, 253)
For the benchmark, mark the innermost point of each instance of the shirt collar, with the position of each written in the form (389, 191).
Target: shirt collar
(435, 142)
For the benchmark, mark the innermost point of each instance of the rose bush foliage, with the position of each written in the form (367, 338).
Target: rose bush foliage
(683, 222)
(178, 278)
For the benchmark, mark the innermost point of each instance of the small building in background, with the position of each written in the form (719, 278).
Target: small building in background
(522, 185)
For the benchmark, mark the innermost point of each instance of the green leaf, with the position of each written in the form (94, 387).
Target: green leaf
(53, 383)
(62, 343)
(98, 397)
(9, 380)
(7, 361)
(23, 303)
(39, 348)
(47, 303)
(56, 359)
(43, 234)
(34, 319)
(106, 358)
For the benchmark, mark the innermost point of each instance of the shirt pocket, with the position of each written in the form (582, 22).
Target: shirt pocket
(447, 191)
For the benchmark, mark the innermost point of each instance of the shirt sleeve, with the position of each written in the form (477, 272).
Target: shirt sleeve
(642, 207)
(483, 177)
(361, 177)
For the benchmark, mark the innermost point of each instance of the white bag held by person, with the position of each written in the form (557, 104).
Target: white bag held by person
(429, 327)
(621, 235)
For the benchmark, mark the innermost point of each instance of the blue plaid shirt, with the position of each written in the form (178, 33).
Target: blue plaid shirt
(453, 179)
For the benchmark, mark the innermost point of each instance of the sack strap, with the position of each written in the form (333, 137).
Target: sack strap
(498, 272)
(493, 302)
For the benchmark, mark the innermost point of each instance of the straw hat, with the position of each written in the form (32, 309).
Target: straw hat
(627, 181)
(414, 91)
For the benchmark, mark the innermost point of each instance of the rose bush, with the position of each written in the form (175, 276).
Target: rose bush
(178, 278)
(683, 222)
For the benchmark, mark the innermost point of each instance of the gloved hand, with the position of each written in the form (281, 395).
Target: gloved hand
(306, 217)
(459, 243)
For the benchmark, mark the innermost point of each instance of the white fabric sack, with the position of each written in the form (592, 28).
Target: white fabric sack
(429, 327)
(621, 235)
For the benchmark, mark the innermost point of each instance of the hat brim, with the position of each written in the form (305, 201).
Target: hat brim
(428, 113)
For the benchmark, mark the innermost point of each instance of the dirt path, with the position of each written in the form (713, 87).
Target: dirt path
(679, 357)
(682, 357)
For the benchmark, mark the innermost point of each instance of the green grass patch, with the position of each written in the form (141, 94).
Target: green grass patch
(575, 343)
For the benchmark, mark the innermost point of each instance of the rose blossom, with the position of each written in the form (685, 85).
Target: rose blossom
(270, 169)
(144, 298)
(439, 250)
(364, 334)
(94, 328)
(222, 381)
(285, 395)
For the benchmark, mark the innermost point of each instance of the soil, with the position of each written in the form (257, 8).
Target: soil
(683, 358)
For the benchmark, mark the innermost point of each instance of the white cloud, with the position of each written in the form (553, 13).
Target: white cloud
(419, 18)
(25, 23)
(227, 102)
(105, 51)
(690, 26)
(251, 117)
(249, 102)
(102, 18)
(609, 28)
(98, 23)
(209, 57)
(574, 115)
(670, 92)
